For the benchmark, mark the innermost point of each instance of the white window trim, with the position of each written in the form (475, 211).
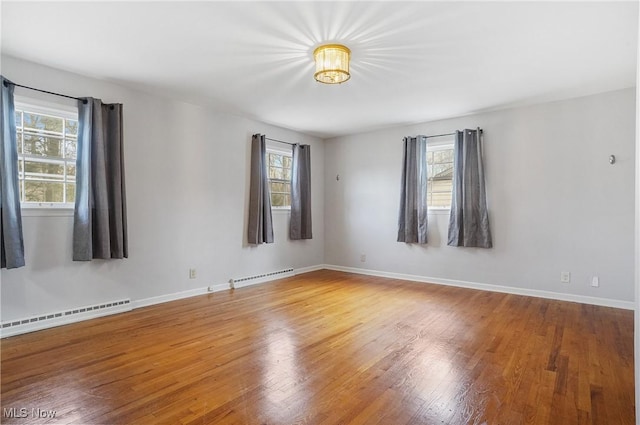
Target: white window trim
(438, 211)
(279, 149)
(43, 107)
(46, 108)
(44, 211)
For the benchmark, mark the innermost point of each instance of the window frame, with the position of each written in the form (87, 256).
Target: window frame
(279, 150)
(58, 110)
(443, 143)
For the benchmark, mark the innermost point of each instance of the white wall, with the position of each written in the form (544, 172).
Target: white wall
(187, 194)
(556, 204)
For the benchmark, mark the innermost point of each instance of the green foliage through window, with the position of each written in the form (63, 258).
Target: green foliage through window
(46, 157)
(279, 167)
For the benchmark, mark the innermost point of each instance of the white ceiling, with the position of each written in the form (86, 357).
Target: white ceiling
(411, 61)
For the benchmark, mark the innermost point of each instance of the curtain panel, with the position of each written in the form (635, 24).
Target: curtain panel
(260, 226)
(100, 215)
(300, 222)
(412, 220)
(469, 218)
(11, 240)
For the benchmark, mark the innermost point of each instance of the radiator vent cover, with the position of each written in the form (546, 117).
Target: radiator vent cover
(18, 326)
(260, 278)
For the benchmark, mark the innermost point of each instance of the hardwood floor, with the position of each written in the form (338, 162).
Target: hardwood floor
(331, 348)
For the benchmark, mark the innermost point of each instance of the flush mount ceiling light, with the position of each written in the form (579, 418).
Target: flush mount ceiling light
(332, 63)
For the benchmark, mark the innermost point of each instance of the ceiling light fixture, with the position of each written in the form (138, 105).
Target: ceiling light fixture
(332, 63)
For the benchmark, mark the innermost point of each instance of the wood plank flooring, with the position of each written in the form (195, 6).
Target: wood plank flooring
(331, 348)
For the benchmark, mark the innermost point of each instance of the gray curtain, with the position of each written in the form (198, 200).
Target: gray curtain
(100, 215)
(11, 242)
(300, 223)
(412, 221)
(469, 219)
(260, 228)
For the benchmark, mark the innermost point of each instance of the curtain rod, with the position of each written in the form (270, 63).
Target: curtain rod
(446, 134)
(43, 91)
(440, 135)
(280, 141)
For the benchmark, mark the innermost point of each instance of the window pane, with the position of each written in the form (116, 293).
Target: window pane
(280, 200)
(41, 122)
(42, 146)
(72, 127)
(277, 200)
(442, 170)
(441, 195)
(70, 149)
(43, 191)
(441, 199)
(275, 160)
(42, 167)
(276, 173)
(280, 190)
(44, 170)
(280, 187)
(438, 156)
(71, 192)
(440, 176)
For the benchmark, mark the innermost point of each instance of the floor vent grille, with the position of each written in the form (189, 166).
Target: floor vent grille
(66, 316)
(259, 278)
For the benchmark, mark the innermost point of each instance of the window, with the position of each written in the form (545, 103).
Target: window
(47, 141)
(440, 178)
(279, 167)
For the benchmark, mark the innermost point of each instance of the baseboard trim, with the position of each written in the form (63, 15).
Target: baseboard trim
(309, 269)
(605, 302)
(145, 302)
(63, 320)
(218, 287)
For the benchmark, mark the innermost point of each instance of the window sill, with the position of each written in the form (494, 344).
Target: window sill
(439, 211)
(46, 210)
(281, 210)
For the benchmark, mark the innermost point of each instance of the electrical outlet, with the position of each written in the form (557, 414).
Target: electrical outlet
(192, 273)
(565, 277)
(595, 281)
(363, 258)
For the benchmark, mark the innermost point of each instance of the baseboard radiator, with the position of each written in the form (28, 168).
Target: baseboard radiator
(28, 324)
(260, 278)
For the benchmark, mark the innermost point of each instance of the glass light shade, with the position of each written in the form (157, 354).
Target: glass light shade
(332, 63)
